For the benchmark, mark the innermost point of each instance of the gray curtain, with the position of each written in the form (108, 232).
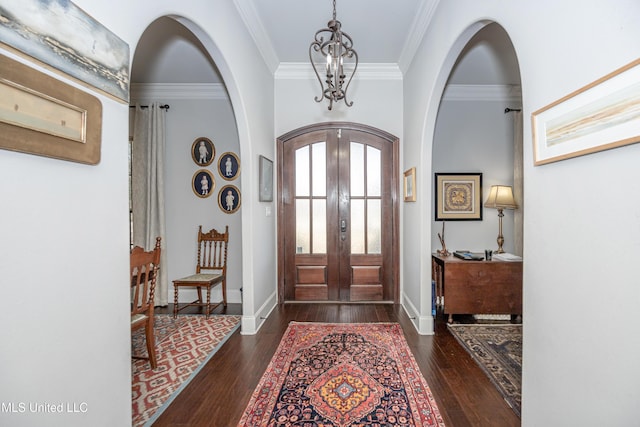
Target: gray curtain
(147, 186)
(518, 183)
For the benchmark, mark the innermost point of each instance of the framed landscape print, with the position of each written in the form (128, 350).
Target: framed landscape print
(458, 196)
(229, 166)
(597, 117)
(60, 35)
(203, 151)
(203, 183)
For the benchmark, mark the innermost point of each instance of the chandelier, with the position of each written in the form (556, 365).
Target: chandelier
(333, 51)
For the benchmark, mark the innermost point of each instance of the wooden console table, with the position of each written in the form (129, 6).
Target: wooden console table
(477, 287)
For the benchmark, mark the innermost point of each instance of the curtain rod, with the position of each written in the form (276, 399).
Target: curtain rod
(166, 106)
(508, 110)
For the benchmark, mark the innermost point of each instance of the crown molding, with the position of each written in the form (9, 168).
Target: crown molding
(419, 26)
(253, 23)
(507, 93)
(167, 91)
(304, 71)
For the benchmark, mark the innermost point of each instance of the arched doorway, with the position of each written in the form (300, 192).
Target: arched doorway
(172, 64)
(338, 214)
(474, 134)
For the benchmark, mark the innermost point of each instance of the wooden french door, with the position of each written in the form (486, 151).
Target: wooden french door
(337, 214)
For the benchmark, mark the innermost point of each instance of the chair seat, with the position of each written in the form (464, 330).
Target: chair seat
(137, 318)
(211, 270)
(199, 279)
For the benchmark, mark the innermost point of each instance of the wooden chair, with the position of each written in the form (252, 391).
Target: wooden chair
(212, 258)
(144, 272)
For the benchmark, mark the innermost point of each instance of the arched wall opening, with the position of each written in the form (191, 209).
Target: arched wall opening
(201, 105)
(451, 103)
(473, 134)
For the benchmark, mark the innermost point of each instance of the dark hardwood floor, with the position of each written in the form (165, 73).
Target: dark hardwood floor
(218, 395)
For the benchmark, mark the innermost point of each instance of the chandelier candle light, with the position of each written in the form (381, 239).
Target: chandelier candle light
(500, 198)
(333, 52)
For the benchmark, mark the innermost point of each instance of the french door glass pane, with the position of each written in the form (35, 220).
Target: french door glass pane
(374, 226)
(303, 236)
(319, 169)
(319, 226)
(357, 226)
(302, 171)
(357, 169)
(374, 172)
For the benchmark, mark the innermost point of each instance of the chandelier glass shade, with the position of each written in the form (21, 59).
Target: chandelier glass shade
(328, 51)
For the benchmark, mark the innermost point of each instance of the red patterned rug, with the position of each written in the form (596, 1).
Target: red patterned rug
(342, 374)
(183, 346)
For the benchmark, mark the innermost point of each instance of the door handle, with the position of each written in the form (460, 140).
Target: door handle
(343, 226)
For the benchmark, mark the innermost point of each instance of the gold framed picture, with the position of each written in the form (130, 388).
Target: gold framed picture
(458, 196)
(229, 166)
(229, 199)
(203, 183)
(410, 185)
(42, 115)
(203, 151)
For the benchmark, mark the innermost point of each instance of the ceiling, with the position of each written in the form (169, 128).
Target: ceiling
(382, 32)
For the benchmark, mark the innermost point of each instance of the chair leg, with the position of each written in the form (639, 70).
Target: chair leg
(199, 288)
(224, 292)
(208, 302)
(151, 343)
(175, 301)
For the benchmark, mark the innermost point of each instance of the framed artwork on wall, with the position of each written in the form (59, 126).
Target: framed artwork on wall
(203, 151)
(597, 117)
(73, 43)
(458, 196)
(410, 185)
(203, 183)
(229, 166)
(229, 199)
(44, 116)
(266, 180)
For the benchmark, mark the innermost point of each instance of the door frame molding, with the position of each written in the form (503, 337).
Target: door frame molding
(395, 211)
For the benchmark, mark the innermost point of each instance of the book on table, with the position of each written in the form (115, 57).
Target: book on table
(468, 255)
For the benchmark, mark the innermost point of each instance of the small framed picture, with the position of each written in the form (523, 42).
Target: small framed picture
(229, 199)
(410, 185)
(203, 183)
(458, 196)
(266, 180)
(203, 151)
(229, 166)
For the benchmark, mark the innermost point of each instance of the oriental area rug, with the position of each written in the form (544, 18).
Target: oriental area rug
(183, 346)
(342, 374)
(497, 349)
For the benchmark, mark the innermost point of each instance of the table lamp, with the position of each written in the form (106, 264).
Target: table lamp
(500, 198)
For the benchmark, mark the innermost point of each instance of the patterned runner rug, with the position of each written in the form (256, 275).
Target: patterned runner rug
(497, 349)
(183, 346)
(329, 374)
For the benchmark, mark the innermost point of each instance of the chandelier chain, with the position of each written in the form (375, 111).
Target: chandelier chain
(334, 10)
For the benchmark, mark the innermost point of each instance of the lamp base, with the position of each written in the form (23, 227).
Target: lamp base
(500, 239)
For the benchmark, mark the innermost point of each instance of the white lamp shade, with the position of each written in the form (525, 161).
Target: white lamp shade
(500, 197)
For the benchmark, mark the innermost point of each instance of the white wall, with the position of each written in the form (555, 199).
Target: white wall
(581, 227)
(376, 94)
(63, 252)
(64, 249)
(474, 136)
